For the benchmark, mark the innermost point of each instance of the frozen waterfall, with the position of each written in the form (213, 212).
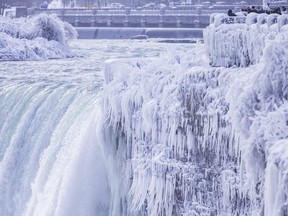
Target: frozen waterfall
(195, 140)
(200, 131)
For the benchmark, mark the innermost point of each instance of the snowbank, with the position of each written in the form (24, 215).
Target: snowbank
(39, 37)
(185, 138)
(242, 44)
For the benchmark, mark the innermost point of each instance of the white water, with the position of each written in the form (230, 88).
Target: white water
(50, 161)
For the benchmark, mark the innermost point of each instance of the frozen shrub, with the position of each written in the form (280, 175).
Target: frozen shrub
(8, 27)
(32, 38)
(45, 26)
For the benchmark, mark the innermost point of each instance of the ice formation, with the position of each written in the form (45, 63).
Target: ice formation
(185, 138)
(39, 37)
(229, 42)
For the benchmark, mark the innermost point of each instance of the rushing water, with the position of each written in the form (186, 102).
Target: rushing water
(50, 162)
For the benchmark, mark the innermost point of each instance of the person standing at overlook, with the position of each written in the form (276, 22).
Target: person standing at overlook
(230, 13)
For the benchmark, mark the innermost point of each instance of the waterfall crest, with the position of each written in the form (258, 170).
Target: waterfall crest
(51, 163)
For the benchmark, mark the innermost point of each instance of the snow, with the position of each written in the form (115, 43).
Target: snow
(34, 38)
(55, 4)
(189, 138)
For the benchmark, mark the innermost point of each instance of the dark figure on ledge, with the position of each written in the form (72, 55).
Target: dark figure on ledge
(230, 13)
(253, 9)
(274, 10)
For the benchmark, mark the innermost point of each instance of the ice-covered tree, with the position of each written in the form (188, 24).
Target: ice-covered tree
(32, 38)
(3, 4)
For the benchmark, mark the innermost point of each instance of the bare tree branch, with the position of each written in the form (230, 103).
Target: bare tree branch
(3, 4)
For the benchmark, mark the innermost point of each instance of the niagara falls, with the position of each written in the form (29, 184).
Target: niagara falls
(144, 120)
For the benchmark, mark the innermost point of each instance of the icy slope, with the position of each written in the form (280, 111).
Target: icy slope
(39, 37)
(184, 138)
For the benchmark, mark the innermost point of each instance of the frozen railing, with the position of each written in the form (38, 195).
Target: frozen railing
(240, 40)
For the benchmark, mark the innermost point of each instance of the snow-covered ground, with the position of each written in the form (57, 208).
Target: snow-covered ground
(35, 38)
(185, 138)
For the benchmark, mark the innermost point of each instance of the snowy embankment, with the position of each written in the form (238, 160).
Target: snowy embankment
(191, 139)
(39, 37)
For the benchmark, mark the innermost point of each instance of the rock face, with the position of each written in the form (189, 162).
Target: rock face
(184, 138)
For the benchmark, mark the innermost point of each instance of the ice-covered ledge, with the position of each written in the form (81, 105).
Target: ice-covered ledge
(186, 138)
(240, 40)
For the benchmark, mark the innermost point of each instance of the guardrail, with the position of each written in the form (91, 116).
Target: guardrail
(129, 18)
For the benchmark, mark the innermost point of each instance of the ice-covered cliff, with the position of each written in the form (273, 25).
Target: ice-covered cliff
(185, 138)
(33, 38)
